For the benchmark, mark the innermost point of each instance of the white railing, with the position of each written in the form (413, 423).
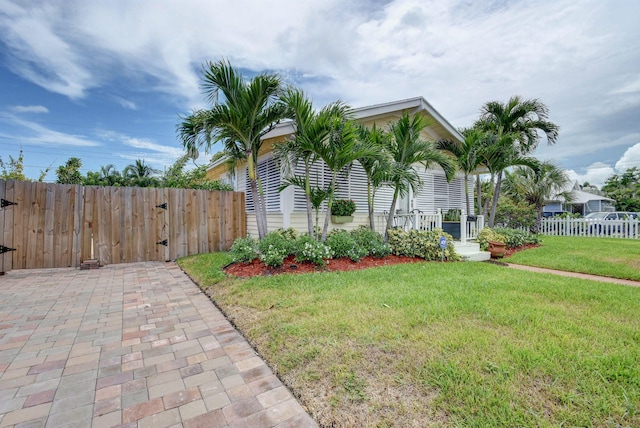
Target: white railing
(422, 221)
(582, 227)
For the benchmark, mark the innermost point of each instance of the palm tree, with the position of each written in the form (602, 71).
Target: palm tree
(311, 129)
(109, 175)
(515, 128)
(340, 150)
(376, 168)
(537, 187)
(467, 155)
(140, 173)
(407, 148)
(248, 111)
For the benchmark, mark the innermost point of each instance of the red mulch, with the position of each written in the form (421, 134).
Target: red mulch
(258, 268)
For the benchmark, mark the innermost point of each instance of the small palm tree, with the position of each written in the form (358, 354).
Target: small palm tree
(247, 111)
(109, 175)
(466, 154)
(537, 187)
(406, 149)
(377, 168)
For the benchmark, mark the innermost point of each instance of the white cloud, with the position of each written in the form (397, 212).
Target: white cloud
(30, 109)
(148, 150)
(36, 134)
(630, 158)
(595, 174)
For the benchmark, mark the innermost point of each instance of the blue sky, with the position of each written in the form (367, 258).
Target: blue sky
(107, 81)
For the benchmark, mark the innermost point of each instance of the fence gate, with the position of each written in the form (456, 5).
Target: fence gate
(55, 225)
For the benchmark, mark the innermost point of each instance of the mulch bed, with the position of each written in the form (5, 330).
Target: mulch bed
(258, 268)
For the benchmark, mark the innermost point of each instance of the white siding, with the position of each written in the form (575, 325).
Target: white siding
(269, 179)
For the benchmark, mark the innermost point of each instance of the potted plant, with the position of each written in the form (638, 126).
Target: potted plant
(493, 242)
(342, 211)
(451, 222)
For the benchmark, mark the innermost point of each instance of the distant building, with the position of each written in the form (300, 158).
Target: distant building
(582, 202)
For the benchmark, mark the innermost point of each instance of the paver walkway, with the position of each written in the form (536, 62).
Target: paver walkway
(131, 345)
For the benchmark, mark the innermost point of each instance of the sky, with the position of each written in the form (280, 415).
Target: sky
(107, 81)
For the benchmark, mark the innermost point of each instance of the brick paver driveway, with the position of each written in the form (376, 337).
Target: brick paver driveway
(133, 345)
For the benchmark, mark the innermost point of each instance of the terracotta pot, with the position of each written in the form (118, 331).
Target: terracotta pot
(497, 249)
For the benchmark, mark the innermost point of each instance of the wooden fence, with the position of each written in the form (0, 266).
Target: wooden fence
(56, 225)
(585, 227)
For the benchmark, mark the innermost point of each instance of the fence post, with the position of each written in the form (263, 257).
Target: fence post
(439, 218)
(463, 227)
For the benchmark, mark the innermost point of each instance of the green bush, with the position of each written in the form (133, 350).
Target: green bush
(310, 250)
(244, 250)
(371, 241)
(517, 238)
(421, 243)
(486, 235)
(343, 244)
(276, 246)
(343, 207)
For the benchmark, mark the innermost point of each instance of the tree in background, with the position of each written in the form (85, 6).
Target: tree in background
(140, 174)
(625, 189)
(14, 169)
(247, 111)
(514, 127)
(69, 173)
(536, 187)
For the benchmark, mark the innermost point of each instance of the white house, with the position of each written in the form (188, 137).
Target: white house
(581, 202)
(288, 208)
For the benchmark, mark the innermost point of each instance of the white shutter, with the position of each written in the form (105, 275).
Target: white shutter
(440, 192)
(270, 181)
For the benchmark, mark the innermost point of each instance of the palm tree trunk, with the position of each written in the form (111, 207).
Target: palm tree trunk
(370, 200)
(392, 210)
(258, 197)
(329, 203)
(307, 191)
(466, 193)
(496, 195)
(479, 195)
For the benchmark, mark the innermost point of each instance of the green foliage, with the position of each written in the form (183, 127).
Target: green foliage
(421, 243)
(452, 215)
(196, 178)
(244, 250)
(276, 246)
(515, 215)
(69, 173)
(310, 250)
(517, 237)
(343, 207)
(14, 169)
(371, 241)
(343, 244)
(487, 235)
(625, 189)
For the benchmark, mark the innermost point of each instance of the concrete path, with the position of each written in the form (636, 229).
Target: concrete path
(128, 345)
(574, 274)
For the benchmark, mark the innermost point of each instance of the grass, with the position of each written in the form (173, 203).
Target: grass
(617, 258)
(453, 344)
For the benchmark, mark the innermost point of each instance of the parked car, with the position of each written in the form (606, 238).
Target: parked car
(608, 223)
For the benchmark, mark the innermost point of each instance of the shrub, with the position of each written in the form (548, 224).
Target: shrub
(343, 207)
(276, 246)
(515, 214)
(486, 235)
(421, 243)
(343, 244)
(244, 250)
(371, 241)
(517, 238)
(310, 250)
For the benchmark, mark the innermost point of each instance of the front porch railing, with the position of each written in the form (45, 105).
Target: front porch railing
(470, 226)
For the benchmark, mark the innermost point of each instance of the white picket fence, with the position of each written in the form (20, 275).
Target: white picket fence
(581, 227)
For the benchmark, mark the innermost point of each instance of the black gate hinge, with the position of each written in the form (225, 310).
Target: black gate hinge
(4, 249)
(4, 203)
(164, 242)
(163, 206)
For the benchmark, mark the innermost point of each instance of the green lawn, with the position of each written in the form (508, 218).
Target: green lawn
(453, 344)
(617, 258)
